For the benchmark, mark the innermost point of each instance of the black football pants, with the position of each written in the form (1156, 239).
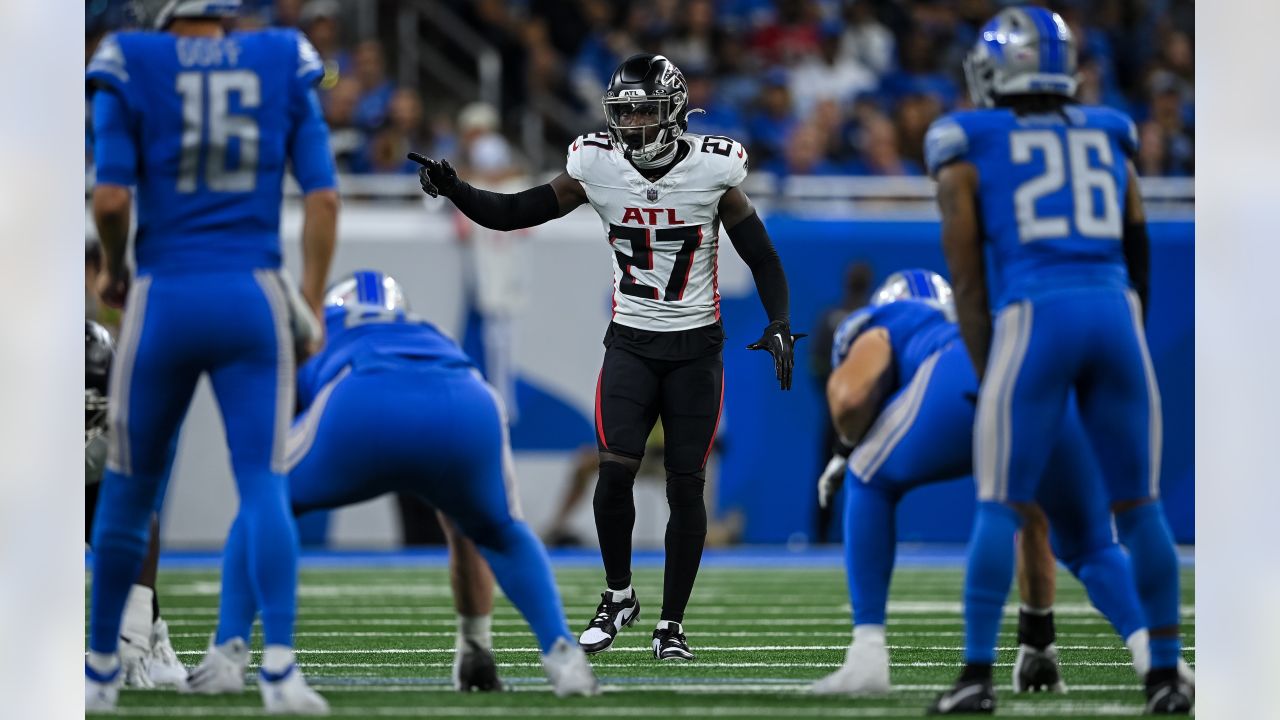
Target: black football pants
(631, 394)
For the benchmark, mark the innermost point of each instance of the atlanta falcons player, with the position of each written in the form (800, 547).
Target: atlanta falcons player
(662, 195)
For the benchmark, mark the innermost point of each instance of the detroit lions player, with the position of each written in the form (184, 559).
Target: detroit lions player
(203, 124)
(662, 195)
(393, 405)
(1044, 231)
(902, 393)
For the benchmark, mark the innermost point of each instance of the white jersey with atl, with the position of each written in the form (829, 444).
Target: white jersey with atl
(665, 234)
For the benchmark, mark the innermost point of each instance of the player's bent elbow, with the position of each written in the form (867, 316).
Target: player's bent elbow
(111, 202)
(324, 201)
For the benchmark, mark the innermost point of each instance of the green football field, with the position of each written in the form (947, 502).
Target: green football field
(379, 642)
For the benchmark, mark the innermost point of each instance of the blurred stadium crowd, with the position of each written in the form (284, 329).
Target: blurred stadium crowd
(813, 87)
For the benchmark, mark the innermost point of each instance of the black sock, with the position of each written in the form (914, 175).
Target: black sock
(976, 671)
(686, 535)
(155, 605)
(615, 517)
(1036, 629)
(1159, 676)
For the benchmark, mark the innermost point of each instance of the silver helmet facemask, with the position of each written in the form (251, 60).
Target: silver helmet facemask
(643, 126)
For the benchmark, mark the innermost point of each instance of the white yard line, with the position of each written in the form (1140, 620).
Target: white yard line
(307, 665)
(800, 687)
(699, 633)
(571, 709)
(907, 607)
(509, 621)
(646, 650)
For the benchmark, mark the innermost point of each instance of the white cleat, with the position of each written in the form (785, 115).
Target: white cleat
(865, 672)
(101, 692)
(568, 670)
(135, 638)
(289, 694)
(135, 662)
(1140, 648)
(165, 668)
(221, 672)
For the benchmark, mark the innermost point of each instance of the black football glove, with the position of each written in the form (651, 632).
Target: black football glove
(436, 176)
(781, 344)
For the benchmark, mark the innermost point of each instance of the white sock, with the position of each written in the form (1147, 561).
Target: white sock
(277, 658)
(136, 623)
(103, 663)
(1139, 644)
(476, 629)
(622, 594)
(1038, 612)
(868, 634)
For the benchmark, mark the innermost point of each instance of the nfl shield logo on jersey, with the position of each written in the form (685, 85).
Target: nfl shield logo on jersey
(652, 194)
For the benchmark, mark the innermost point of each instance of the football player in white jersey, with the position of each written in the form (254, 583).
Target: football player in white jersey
(662, 195)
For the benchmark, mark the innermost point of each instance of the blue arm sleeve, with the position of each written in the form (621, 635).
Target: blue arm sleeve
(115, 154)
(313, 166)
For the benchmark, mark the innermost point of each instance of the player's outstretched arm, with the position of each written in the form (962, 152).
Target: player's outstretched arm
(500, 211)
(1137, 246)
(962, 245)
(860, 384)
(855, 390)
(751, 240)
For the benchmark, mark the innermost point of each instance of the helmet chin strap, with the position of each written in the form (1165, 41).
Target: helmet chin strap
(656, 162)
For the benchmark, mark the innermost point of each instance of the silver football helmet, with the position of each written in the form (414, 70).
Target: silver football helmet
(159, 13)
(1021, 51)
(920, 285)
(368, 288)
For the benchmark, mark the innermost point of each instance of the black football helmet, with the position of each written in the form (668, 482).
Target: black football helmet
(646, 106)
(99, 351)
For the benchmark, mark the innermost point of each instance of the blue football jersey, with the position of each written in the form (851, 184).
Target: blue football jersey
(204, 128)
(1052, 191)
(916, 331)
(362, 337)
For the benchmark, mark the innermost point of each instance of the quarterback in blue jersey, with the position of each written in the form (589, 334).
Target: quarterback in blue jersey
(1045, 236)
(392, 405)
(198, 126)
(902, 395)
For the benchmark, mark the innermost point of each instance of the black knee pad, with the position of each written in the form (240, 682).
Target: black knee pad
(613, 490)
(684, 497)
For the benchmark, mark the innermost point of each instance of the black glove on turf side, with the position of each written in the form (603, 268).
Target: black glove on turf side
(781, 344)
(436, 176)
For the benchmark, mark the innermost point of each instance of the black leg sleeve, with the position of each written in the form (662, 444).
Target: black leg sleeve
(615, 518)
(686, 536)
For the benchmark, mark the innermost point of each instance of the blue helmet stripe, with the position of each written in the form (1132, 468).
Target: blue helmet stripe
(367, 287)
(1051, 60)
(913, 283)
(921, 283)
